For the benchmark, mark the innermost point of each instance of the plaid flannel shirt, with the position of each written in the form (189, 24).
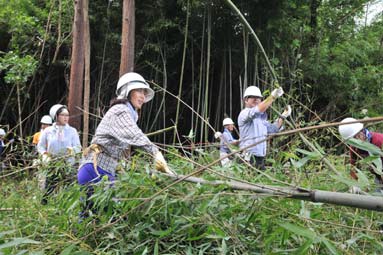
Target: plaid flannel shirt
(117, 132)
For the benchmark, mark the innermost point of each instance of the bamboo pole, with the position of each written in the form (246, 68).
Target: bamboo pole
(208, 56)
(200, 78)
(367, 202)
(248, 27)
(161, 131)
(85, 133)
(182, 68)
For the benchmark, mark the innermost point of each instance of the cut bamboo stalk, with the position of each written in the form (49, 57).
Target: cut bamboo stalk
(367, 202)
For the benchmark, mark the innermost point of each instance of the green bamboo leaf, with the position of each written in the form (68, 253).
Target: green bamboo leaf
(156, 248)
(42, 253)
(6, 233)
(330, 247)
(18, 241)
(305, 232)
(163, 233)
(310, 154)
(299, 163)
(320, 149)
(366, 146)
(68, 250)
(363, 180)
(304, 248)
(376, 160)
(223, 247)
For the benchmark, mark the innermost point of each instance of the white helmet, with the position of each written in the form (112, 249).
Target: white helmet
(350, 130)
(227, 121)
(252, 91)
(46, 119)
(2, 132)
(54, 109)
(133, 81)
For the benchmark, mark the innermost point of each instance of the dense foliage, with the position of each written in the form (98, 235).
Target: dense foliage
(141, 215)
(323, 57)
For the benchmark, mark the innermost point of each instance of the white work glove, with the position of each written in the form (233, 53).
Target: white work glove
(45, 158)
(277, 92)
(355, 190)
(160, 164)
(287, 112)
(246, 156)
(217, 135)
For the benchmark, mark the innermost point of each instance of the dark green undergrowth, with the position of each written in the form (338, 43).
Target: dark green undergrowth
(187, 218)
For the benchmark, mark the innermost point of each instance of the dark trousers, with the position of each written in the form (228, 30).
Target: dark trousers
(258, 162)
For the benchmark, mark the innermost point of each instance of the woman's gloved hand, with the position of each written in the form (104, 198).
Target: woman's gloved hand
(161, 165)
(70, 151)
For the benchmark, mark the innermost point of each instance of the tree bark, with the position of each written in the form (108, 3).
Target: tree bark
(77, 66)
(127, 37)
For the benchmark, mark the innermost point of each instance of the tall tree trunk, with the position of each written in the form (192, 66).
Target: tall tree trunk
(77, 66)
(87, 75)
(127, 37)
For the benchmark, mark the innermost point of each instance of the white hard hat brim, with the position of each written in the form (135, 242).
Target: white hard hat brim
(140, 85)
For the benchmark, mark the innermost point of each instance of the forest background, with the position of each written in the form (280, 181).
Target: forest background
(328, 57)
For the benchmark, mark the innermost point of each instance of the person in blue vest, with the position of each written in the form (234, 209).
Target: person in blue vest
(116, 134)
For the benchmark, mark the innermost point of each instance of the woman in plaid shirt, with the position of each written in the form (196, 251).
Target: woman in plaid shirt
(118, 131)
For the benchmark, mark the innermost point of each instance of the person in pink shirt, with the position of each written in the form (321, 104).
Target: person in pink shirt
(356, 130)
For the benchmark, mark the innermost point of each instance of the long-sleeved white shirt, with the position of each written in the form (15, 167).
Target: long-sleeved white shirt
(55, 140)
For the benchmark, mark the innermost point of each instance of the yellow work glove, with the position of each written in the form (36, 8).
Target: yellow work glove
(70, 151)
(160, 164)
